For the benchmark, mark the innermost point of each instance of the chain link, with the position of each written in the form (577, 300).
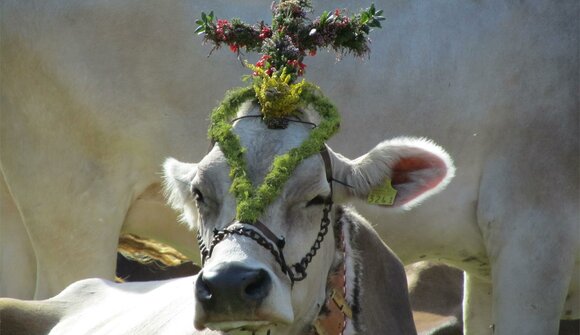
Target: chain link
(202, 248)
(301, 266)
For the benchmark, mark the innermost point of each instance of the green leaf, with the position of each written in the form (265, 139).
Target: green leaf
(200, 30)
(364, 18)
(323, 18)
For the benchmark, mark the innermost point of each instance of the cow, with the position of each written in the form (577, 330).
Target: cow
(98, 306)
(91, 90)
(255, 275)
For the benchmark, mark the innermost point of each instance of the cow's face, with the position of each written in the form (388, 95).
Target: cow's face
(243, 286)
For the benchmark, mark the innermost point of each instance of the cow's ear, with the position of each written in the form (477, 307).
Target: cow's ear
(177, 182)
(398, 173)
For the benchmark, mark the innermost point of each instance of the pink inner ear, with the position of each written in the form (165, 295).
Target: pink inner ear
(401, 174)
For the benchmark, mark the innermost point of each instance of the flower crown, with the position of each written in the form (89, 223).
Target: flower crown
(284, 44)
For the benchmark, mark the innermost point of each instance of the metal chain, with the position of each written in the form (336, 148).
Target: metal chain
(299, 272)
(202, 248)
(254, 235)
(301, 266)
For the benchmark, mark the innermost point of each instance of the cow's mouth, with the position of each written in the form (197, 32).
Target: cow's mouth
(241, 327)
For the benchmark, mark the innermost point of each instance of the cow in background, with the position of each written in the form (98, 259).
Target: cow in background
(95, 95)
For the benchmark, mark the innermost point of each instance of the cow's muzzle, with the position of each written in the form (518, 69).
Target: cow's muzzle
(231, 287)
(231, 292)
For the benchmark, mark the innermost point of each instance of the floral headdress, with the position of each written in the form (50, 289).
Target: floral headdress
(284, 44)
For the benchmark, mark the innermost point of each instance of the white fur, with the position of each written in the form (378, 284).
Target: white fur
(350, 258)
(177, 189)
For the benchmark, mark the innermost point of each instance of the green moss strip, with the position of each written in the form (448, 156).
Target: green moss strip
(252, 202)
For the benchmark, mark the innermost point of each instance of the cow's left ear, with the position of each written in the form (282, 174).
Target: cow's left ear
(398, 173)
(177, 182)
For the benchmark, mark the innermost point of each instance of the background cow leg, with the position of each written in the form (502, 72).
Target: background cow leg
(74, 239)
(16, 253)
(477, 302)
(73, 253)
(530, 290)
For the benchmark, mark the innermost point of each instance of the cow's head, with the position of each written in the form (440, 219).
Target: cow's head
(244, 284)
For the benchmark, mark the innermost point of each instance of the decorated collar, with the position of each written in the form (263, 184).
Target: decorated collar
(284, 44)
(337, 315)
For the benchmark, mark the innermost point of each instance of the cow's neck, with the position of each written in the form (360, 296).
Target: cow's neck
(336, 316)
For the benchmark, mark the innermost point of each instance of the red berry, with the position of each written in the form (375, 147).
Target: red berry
(312, 52)
(265, 33)
(263, 60)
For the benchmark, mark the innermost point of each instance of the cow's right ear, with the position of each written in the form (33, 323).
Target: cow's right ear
(398, 173)
(177, 178)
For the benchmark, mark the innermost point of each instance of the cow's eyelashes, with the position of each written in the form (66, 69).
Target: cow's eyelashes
(197, 195)
(318, 200)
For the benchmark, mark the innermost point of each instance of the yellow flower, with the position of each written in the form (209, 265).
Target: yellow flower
(277, 96)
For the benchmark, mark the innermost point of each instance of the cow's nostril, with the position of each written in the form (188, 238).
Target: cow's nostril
(202, 290)
(258, 286)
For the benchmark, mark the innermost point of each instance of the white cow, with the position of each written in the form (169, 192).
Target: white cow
(95, 94)
(97, 306)
(250, 281)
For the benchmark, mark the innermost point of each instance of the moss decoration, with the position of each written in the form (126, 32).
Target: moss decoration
(251, 202)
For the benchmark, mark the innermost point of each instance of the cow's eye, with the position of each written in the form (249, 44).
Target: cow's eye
(197, 195)
(318, 200)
